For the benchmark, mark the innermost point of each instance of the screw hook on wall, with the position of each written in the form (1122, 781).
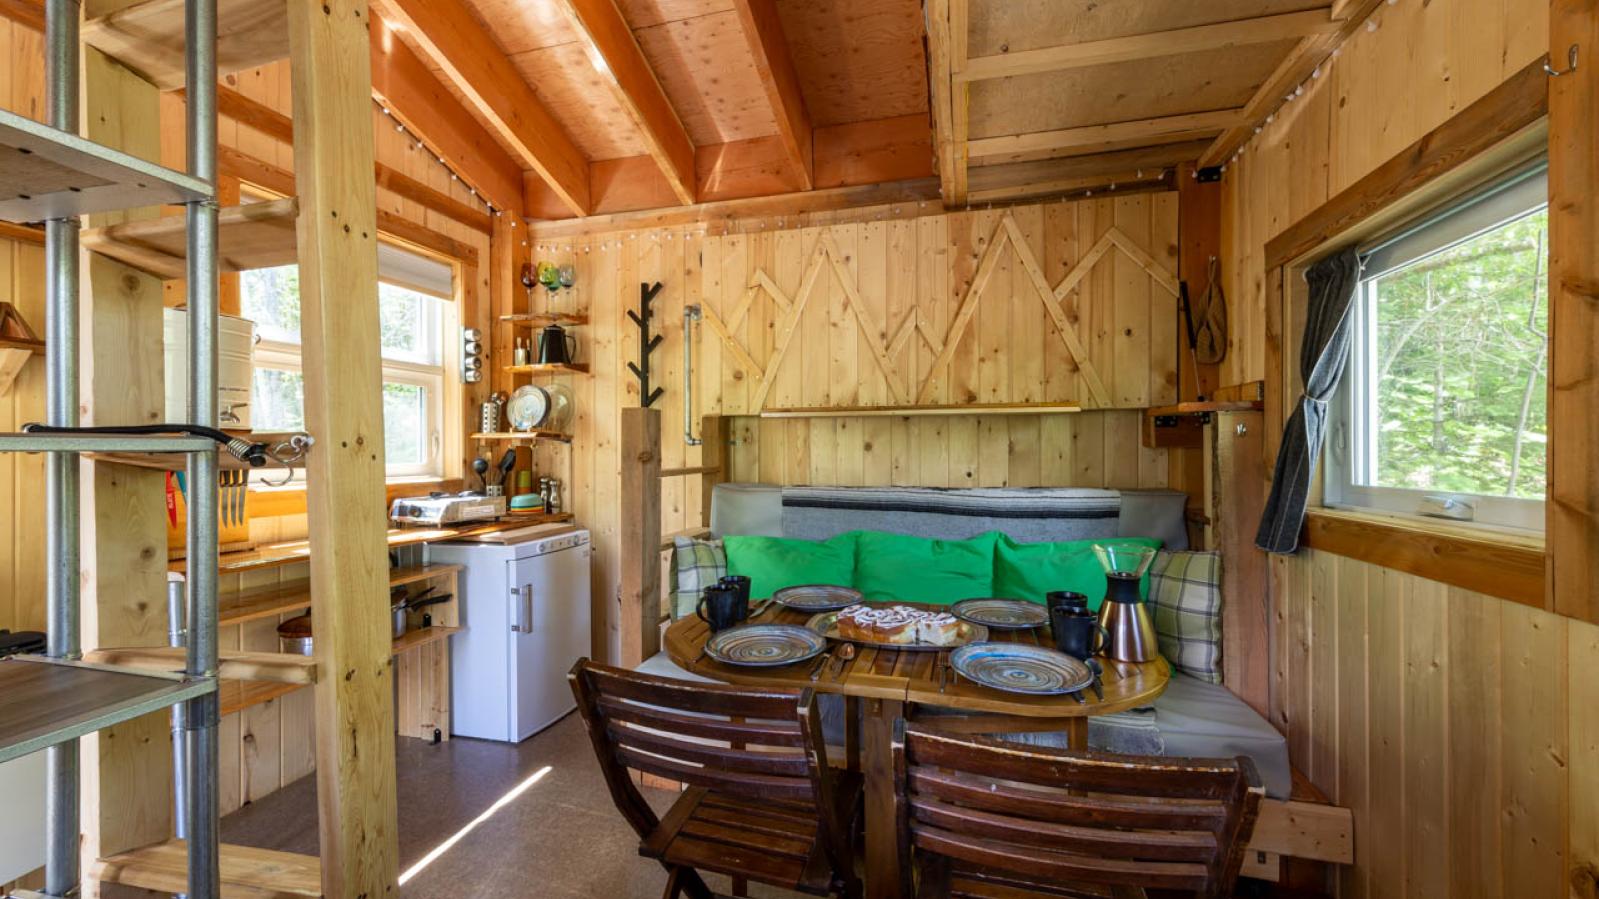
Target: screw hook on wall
(1571, 64)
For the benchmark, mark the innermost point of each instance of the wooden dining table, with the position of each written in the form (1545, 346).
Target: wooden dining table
(884, 684)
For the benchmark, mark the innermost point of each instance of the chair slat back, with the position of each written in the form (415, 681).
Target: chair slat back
(734, 740)
(1091, 818)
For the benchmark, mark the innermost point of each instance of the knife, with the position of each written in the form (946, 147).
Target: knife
(507, 462)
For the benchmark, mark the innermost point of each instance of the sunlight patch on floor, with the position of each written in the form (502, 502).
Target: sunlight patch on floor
(488, 813)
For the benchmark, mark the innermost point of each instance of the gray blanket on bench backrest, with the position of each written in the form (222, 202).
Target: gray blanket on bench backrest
(1028, 515)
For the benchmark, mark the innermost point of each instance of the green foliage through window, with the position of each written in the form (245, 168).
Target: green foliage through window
(1462, 338)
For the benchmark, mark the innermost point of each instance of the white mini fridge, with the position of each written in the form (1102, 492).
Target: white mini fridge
(525, 606)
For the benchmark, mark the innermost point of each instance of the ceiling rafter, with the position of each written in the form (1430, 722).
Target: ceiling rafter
(1113, 135)
(614, 52)
(763, 30)
(447, 32)
(1299, 65)
(1217, 36)
(949, 100)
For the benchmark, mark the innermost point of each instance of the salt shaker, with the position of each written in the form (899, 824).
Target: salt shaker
(553, 504)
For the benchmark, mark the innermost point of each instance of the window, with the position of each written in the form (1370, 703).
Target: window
(412, 328)
(1442, 409)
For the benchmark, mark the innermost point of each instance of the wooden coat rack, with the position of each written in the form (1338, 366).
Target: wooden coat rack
(646, 344)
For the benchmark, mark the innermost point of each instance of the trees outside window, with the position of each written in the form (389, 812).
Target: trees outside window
(411, 338)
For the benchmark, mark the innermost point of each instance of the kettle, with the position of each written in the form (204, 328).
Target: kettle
(1124, 615)
(556, 347)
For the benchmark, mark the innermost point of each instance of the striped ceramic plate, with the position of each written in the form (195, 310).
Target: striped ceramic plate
(764, 645)
(817, 597)
(1021, 668)
(1004, 614)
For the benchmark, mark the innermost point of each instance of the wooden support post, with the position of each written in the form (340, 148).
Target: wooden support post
(713, 455)
(641, 534)
(1573, 507)
(126, 770)
(1198, 241)
(337, 234)
(1239, 481)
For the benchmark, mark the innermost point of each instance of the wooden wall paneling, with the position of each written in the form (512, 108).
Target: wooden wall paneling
(1388, 596)
(1427, 748)
(1475, 718)
(1354, 745)
(1582, 831)
(1321, 632)
(1535, 794)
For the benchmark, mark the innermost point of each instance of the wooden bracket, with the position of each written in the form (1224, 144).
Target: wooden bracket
(17, 344)
(646, 344)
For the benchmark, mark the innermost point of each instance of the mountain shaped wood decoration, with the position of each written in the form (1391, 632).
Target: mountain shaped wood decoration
(17, 344)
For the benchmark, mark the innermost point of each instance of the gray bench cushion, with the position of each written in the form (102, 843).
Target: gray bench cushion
(1195, 719)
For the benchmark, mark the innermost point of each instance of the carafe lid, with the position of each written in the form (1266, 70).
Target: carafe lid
(1124, 560)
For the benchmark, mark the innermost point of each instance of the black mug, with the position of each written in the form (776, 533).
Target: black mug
(741, 584)
(721, 608)
(1076, 602)
(1077, 635)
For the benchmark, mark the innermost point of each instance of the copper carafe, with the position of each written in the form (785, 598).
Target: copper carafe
(1124, 615)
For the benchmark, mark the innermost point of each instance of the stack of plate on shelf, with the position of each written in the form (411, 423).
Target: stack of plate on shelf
(535, 408)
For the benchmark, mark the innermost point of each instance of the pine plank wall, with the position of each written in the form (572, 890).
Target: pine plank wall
(1459, 728)
(902, 263)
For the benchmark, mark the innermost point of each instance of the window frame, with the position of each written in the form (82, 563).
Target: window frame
(435, 378)
(1347, 468)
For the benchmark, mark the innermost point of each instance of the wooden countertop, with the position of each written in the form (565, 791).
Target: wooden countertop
(289, 553)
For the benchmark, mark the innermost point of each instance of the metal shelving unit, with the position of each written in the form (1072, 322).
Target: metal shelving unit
(51, 174)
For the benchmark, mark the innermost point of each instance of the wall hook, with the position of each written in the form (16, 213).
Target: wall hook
(1571, 64)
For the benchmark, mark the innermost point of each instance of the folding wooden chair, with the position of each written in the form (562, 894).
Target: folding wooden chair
(988, 819)
(762, 803)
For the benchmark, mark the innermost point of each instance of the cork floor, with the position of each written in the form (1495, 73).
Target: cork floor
(558, 837)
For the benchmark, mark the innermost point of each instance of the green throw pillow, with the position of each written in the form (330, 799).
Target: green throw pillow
(1030, 570)
(772, 563)
(898, 568)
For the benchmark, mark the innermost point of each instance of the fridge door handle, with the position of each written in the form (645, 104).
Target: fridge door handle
(523, 622)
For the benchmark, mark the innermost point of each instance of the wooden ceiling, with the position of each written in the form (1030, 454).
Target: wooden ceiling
(1041, 96)
(620, 105)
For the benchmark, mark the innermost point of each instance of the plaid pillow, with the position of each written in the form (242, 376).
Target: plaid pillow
(1185, 596)
(696, 564)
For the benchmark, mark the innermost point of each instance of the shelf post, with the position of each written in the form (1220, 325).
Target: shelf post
(201, 717)
(330, 60)
(62, 596)
(641, 535)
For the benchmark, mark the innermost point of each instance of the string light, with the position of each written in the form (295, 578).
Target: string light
(415, 141)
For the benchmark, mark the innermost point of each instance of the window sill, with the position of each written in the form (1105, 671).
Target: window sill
(1505, 564)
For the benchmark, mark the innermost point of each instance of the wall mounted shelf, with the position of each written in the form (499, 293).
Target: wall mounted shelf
(524, 436)
(545, 319)
(251, 236)
(564, 368)
(912, 411)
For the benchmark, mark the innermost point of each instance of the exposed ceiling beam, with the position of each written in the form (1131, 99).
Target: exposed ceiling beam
(1166, 129)
(1218, 36)
(405, 84)
(1123, 181)
(614, 52)
(1306, 57)
(448, 33)
(991, 183)
(949, 143)
(763, 29)
(263, 118)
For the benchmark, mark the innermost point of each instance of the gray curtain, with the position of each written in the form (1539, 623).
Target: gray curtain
(1322, 355)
